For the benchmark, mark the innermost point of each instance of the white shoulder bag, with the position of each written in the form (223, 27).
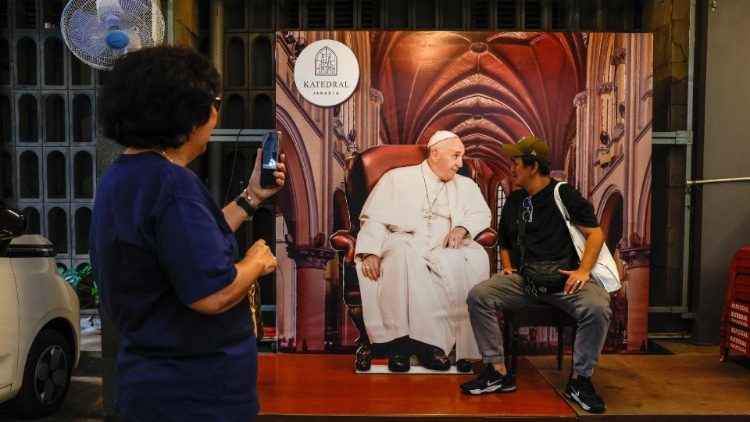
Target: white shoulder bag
(605, 270)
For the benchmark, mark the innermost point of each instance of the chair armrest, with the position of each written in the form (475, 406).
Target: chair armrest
(344, 241)
(487, 238)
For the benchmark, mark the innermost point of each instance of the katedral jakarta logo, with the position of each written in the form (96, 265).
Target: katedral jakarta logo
(326, 73)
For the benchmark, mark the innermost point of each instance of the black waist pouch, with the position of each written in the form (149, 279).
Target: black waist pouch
(543, 277)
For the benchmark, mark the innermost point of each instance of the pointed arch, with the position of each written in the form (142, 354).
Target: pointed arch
(297, 202)
(611, 216)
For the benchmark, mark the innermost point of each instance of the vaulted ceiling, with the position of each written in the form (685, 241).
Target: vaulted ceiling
(489, 88)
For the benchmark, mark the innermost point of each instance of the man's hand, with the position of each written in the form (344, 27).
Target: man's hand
(576, 280)
(455, 238)
(371, 267)
(509, 271)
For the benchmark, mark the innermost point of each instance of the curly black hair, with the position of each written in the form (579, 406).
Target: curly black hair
(154, 97)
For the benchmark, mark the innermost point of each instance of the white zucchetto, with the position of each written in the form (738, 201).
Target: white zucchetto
(440, 136)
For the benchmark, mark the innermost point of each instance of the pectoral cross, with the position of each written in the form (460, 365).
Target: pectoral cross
(429, 215)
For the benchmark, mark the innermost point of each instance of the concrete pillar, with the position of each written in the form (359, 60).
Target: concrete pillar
(216, 53)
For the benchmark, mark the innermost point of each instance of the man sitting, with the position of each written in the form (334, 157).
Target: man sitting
(545, 237)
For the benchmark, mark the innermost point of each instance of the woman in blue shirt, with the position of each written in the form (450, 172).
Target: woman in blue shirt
(164, 253)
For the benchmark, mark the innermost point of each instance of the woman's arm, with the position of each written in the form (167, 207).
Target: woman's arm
(233, 213)
(258, 261)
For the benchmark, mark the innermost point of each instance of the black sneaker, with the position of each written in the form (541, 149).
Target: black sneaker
(489, 381)
(582, 392)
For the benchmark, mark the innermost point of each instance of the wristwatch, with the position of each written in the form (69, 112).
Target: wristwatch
(246, 203)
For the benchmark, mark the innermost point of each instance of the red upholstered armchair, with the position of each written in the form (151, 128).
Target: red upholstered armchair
(362, 172)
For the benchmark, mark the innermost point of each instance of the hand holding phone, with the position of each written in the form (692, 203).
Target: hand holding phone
(270, 159)
(269, 172)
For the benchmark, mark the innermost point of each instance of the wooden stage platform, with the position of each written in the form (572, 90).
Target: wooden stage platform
(689, 385)
(325, 387)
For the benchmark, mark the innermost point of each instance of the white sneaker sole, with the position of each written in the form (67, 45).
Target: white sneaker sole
(583, 405)
(492, 389)
(575, 397)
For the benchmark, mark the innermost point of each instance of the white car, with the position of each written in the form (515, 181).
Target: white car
(40, 327)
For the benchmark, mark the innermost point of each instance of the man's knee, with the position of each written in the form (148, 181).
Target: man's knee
(497, 292)
(479, 296)
(598, 309)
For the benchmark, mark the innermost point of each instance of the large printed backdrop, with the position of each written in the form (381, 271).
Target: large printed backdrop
(588, 95)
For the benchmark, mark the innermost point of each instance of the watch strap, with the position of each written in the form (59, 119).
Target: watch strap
(246, 203)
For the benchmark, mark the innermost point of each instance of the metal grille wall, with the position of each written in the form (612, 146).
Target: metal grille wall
(248, 36)
(47, 127)
(525, 15)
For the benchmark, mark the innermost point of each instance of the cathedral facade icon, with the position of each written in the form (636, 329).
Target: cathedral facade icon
(326, 62)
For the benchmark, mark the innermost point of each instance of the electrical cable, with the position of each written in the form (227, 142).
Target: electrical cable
(234, 162)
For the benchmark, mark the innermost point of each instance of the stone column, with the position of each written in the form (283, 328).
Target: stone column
(578, 175)
(638, 259)
(311, 294)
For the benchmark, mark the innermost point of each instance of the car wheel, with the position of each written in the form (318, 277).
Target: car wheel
(46, 377)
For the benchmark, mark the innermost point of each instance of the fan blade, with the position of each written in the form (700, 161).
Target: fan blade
(87, 33)
(135, 40)
(139, 7)
(147, 22)
(107, 8)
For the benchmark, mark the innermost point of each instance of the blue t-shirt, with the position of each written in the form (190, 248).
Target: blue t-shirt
(159, 242)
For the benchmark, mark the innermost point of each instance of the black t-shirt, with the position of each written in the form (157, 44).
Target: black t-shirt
(547, 237)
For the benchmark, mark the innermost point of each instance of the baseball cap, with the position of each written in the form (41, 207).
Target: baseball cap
(530, 145)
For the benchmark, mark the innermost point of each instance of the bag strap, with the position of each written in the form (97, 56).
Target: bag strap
(605, 263)
(520, 239)
(569, 224)
(560, 204)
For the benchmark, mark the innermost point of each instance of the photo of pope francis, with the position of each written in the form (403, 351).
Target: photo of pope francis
(416, 258)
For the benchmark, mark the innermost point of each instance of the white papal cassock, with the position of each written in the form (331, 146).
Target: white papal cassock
(423, 287)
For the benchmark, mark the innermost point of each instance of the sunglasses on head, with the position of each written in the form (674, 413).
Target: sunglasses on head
(528, 210)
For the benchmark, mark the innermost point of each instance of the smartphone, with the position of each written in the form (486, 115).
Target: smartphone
(269, 159)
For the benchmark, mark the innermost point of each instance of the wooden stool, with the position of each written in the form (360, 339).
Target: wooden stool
(540, 315)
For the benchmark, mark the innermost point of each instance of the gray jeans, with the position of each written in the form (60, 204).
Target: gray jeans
(589, 306)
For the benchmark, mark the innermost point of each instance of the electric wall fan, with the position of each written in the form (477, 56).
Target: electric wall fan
(99, 31)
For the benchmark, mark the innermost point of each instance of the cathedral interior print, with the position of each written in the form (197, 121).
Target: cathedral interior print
(589, 95)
